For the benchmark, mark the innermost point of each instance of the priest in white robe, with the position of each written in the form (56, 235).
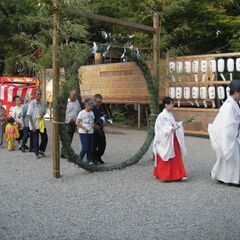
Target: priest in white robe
(224, 137)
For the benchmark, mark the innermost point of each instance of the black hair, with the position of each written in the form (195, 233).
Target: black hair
(167, 100)
(15, 97)
(11, 120)
(98, 96)
(232, 91)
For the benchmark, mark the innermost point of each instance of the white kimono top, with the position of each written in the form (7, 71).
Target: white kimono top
(163, 143)
(224, 130)
(224, 137)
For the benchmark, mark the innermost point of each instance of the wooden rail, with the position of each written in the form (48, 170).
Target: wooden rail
(101, 18)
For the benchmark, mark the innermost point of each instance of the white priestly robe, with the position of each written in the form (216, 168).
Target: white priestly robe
(163, 143)
(224, 137)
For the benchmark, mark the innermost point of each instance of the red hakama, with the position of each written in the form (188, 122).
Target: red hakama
(173, 169)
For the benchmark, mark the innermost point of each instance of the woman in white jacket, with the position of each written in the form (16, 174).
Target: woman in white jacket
(168, 145)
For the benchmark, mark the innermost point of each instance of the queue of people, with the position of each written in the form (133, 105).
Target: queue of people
(25, 122)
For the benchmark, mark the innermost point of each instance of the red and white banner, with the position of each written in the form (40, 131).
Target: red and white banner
(9, 91)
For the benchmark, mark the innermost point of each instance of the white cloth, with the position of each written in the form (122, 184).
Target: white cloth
(224, 134)
(17, 114)
(35, 109)
(163, 143)
(72, 111)
(87, 121)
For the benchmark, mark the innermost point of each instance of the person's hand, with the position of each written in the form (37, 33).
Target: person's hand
(33, 129)
(72, 121)
(87, 131)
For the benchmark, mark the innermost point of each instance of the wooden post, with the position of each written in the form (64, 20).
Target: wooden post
(56, 73)
(44, 91)
(139, 115)
(98, 58)
(156, 52)
(146, 113)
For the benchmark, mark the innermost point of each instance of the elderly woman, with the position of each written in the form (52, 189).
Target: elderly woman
(85, 124)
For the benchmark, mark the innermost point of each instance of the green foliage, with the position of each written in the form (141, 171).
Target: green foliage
(11, 16)
(187, 26)
(118, 114)
(34, 31)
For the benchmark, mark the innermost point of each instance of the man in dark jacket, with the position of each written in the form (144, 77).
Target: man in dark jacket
(99, 135)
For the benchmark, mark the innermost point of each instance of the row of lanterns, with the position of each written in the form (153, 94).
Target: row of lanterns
(197, 93)
(202, 66)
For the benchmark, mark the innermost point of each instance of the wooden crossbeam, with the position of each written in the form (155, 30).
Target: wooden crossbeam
(97, 17)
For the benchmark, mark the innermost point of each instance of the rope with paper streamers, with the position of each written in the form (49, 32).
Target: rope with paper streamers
(129, 55)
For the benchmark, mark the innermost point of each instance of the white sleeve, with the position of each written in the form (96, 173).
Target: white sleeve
(13, 113)
(68, 107)
(80, 115)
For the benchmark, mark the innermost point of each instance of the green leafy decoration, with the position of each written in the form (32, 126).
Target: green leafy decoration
(154, 109)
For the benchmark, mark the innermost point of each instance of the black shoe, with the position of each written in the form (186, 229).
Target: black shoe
(26, 147)
(42, 154)
(23, 150)
(221, 182)
(63, 156)
(233, 185)
(100, 161)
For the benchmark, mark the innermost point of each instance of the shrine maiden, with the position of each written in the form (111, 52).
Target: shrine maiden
(168, 145)
(225, 140)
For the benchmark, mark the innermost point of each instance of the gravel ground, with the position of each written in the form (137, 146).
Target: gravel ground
(127, 204)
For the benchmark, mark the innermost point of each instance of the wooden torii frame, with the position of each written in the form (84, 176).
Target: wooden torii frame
(155, 30)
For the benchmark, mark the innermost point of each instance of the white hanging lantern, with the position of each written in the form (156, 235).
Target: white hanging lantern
(187, 94)
(212, 95)
(238, 64)
(221, 93)
(179, 70)
(172, 70)
(230, 67)
(221, 67)
(195, 69)
(171, 92)
(203, 95)
(187, 67)
(213, 68)
(203, 69)
(195, 95)
(178, 94)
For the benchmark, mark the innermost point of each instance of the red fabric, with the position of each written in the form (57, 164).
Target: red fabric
(173, 169)
(8, 91)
